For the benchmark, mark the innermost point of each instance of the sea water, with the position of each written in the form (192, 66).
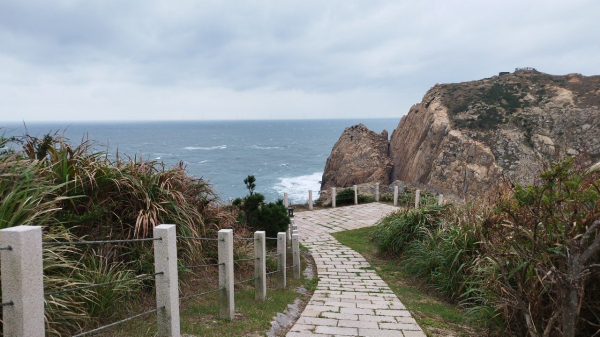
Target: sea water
(284, 155)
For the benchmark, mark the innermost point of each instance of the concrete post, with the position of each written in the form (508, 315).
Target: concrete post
(296, 254)
(310, 200)
(226, 273)
(281, 250)
(230, 201)
(22, 281)
(395, 195)
(260, 267)
(417, 198)
(285, 199)
(333, 195)
(167, 284)
(440, 200)
(355, 194)
(376, 192)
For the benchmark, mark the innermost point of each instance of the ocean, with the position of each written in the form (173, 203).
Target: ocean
(284, 155)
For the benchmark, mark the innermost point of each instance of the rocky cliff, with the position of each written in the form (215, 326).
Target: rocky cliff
(360, 155)
(467, 137)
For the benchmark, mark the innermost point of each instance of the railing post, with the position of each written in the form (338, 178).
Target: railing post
(260, 266)
(310, 201)
(333, 197)
(296, 254)
(395, 195)
(226, 304)
(440, 200)
(167, 284)
(376, 192)
(22, 281)
(281, 250)
(417, 198)
(355, 195)
(285, 199)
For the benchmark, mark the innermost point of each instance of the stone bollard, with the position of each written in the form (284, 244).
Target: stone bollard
(395, 195)
(440, 200)
(310, 200)
(285, 199)
(260, 266)
(226, 302)
(417, 198)
(333, 195)
(296, 254)
(22, 281)
(376, 192)
(355, 195)
(167, 283)
(230, 201)
(281, 256)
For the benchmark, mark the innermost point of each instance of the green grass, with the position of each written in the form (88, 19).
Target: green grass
(434, 315)
(200, 316)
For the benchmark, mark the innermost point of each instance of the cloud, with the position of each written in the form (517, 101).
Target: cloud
(116, 57)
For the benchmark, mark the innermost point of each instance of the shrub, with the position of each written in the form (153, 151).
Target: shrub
(346, 197)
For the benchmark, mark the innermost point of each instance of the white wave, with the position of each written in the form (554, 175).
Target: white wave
(297, 187)
(220, 147)
(157, 158)
(265, 147)
(202, 162)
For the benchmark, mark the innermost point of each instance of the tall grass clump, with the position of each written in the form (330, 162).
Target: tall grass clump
(527, 266)
(77, 194)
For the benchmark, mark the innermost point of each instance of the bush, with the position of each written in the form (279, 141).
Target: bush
(260, 216)
(346, 197)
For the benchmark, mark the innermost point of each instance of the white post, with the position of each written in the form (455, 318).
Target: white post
(376, 192)
(440, 199)
(296, 254)
(310, 201)
(22, 281)
(230, 201)
(285, 199)
(355, 195)
(281, 249)
(395, 195)
(167, 284)
(226, 273)
(417, 198)
(260, 267)
(333, 197)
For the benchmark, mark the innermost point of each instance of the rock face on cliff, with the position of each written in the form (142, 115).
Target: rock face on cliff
(360, 155)
(467, 137)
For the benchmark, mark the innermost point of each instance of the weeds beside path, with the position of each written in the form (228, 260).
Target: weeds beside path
(436, 317)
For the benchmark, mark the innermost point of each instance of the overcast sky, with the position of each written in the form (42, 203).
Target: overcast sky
(150, 60)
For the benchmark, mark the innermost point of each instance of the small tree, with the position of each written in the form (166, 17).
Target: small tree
(250, 183)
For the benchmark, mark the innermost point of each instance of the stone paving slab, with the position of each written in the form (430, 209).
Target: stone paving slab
(350, 299)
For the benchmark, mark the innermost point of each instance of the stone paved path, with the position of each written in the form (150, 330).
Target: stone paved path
(350, 300)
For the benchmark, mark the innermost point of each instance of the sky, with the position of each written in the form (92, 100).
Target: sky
(69, 60)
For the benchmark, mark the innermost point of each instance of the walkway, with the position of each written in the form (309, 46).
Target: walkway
(351, 299)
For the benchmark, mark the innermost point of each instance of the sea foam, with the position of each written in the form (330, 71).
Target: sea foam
(297, 187)
(206, 148)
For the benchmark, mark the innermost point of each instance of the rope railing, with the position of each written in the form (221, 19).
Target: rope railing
(272, 255)
(72, 243)
(198, 238)
(272, 272)
(271, 238)
(6, 248)
(248, 259)
(249, 239)
(4, 304)
(200, 294)
(139, 277)
(201, 266)
(246, 281)
(117, 323)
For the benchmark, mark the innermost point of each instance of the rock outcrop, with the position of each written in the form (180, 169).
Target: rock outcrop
(470, 137)
(360, 155)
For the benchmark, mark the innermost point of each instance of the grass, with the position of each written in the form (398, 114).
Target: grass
(435, 316)
(200, 316)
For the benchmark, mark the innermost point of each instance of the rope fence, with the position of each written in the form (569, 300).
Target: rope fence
(73, 243)
(25, 279)
(117, 323)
